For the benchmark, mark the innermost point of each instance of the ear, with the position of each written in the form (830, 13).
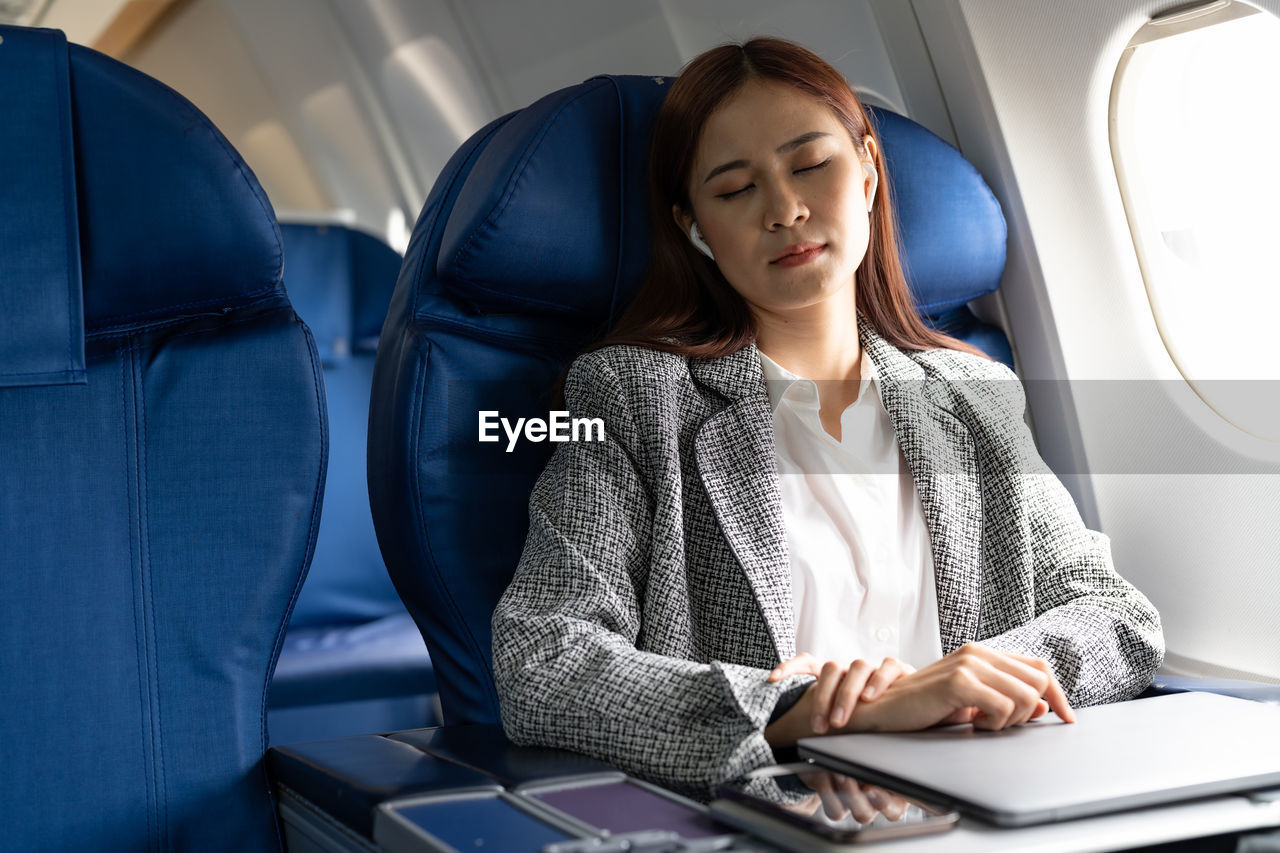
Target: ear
(871, 180)
(869, 143)
(683, 218)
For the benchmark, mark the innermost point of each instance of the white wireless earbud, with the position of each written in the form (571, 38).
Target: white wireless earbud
(695, 237)
(874, 177)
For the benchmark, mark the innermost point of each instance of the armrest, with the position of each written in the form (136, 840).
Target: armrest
(1255, 690)
(487, 750)
(349, 777)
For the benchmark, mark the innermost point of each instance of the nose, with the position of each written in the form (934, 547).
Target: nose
(785, 208)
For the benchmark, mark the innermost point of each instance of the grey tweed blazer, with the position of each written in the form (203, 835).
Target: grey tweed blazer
(654, 592)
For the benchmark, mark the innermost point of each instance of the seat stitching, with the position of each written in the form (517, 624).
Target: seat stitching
(144, 542)
(126, 363)
(443, 588)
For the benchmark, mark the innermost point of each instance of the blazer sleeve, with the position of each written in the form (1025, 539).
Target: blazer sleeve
(566, 663)
(1100, 634)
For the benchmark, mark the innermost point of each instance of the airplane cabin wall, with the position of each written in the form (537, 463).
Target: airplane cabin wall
(1191, 503)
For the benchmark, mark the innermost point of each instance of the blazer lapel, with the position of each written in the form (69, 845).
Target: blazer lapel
(939, 449)
(736, 460)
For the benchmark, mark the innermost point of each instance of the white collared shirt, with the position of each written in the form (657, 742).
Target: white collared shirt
(861, 566)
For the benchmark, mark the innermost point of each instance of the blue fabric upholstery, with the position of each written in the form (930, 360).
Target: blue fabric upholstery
(340, 283)
(157, 519)
(531, 243)
(42, 324)
(352, 655)
(952, 230)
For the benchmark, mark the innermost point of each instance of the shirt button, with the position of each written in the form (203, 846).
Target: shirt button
(883, 635)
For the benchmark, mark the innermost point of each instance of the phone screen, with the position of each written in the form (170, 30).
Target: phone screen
(836, 806)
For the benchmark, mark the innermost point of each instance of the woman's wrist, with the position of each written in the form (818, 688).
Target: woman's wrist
(792, 725)
(867, 716)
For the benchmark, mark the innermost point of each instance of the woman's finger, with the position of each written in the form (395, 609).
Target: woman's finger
(959, 715)
(846, 697)
(824, 692)
(889, 671)
(1036, 672)
(802, 664)
(1000, 697)
(1054, 695)
(1033, 672)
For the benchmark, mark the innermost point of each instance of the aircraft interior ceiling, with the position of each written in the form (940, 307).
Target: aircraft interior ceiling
(348, 109)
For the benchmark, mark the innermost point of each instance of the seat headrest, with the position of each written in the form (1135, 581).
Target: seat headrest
(340, 282)
(555, 207)
(162, 218)
(952, 232)
(41, 326)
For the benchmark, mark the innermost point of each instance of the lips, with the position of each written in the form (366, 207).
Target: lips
(798, 253)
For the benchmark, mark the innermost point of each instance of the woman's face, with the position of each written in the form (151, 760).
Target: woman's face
(780, 196)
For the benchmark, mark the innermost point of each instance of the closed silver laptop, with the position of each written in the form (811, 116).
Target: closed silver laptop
(1115, 757)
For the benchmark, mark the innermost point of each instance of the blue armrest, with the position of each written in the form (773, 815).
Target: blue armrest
(350, 777)
(1255, 690)
(485, 748)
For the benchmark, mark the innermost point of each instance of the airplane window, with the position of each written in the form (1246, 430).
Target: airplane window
(1193, 125)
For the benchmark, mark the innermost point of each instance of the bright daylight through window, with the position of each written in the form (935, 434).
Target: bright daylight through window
(1194, 121)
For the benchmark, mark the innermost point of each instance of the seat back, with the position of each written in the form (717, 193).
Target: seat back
(353, 661)
(340, 282)
(531, 244)
(163, 445)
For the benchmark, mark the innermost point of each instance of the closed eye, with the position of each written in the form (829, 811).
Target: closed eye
(733, 193)
(814, 167)
(741, 190)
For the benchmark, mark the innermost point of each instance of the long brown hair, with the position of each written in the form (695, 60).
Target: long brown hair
(685, 305)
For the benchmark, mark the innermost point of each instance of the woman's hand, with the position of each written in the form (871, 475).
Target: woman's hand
(974, 684)
(839, 686)
(828, 704)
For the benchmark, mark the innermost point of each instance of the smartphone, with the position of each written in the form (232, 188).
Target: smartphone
(834, 806)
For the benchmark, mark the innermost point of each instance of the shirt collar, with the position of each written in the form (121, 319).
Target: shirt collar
(779, 381)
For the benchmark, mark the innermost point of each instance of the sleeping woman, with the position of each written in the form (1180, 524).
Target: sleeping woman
(811, 513)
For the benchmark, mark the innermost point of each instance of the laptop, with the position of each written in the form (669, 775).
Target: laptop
(1115, 757)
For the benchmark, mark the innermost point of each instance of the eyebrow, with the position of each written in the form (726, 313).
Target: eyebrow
(802, 139)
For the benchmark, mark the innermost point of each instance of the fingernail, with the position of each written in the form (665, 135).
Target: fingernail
(819, 724)
(869, 693)
(837, 716)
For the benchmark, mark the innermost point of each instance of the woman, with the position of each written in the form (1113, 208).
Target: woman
(672, 572)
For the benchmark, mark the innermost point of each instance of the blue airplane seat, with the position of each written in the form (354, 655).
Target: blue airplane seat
(163, 440)
(532, 242)
(353, 661)
(951, 229)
